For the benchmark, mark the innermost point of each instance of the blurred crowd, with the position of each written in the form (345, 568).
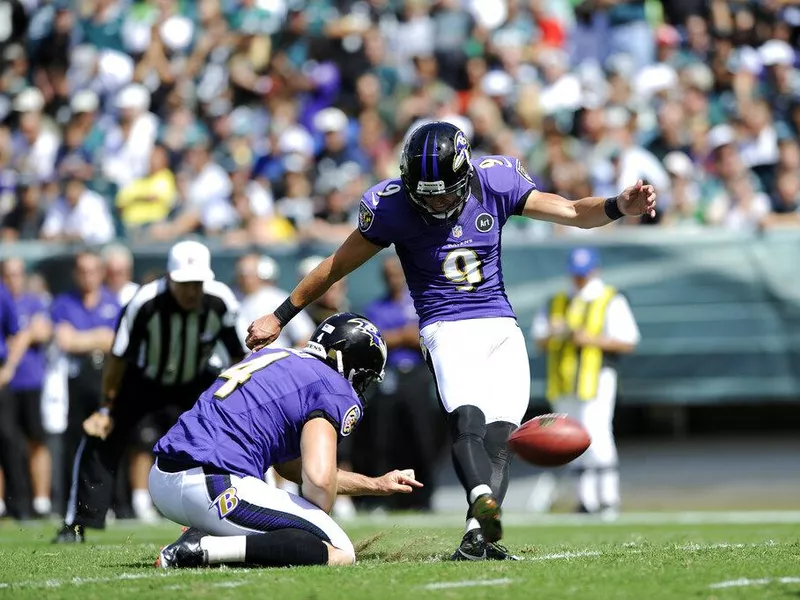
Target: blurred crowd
(262, 121)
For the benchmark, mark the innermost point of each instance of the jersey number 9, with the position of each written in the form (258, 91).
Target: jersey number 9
(463, 267)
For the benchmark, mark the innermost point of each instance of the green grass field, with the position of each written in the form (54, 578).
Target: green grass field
(691, 556)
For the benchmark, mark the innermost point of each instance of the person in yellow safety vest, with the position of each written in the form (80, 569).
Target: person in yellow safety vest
(582, 332)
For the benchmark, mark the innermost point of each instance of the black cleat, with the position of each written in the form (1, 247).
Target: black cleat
(472, 547)
(498, 552)
(475, 547)
(486, 510)
(185, 552)
(70, 534)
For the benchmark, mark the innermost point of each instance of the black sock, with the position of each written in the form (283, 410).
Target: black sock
(285, 547)
(500, 456)
(471, 462)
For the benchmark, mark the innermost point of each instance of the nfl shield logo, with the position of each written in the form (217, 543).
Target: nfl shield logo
(457, 231)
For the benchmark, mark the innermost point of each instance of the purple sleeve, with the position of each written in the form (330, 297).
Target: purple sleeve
(374, 213)
(58, 311)
(10, 315)
(343, 411)
(113, 322)
(524, 186)
(520, 186)
(508, 181)
(38, 307)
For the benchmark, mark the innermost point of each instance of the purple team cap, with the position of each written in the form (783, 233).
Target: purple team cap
(583, 261)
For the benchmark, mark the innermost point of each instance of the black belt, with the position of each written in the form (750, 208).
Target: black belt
(170, 465)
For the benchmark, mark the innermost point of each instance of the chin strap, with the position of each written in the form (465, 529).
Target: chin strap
(340, 363)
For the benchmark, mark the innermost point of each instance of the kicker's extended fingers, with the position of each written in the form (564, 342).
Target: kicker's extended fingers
(410, 481)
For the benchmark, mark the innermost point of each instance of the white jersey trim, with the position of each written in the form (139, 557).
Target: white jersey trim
(224, 293)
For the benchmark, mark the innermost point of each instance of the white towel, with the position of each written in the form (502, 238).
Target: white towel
(55, 394)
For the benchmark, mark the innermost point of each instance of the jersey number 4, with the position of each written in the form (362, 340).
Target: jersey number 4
(463, 267)
(240, 373)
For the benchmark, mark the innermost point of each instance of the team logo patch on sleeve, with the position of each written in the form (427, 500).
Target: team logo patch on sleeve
(365, 216)
(350, 420)
(523, 172)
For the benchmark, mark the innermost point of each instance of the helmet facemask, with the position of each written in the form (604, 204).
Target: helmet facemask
(360, 379)
(440, 205)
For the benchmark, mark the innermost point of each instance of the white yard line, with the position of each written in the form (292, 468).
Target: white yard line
(448, 585)
(744, 582)
(725, 546)
(154, 574)
(567, 555)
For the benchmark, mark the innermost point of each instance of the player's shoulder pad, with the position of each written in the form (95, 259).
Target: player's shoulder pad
(498, 172)
(224, 293)
(378, 199)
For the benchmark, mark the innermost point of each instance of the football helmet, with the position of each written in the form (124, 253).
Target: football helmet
(352, 346)
(436, 171)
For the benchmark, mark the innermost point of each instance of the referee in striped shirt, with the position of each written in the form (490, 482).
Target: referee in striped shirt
(164, 339)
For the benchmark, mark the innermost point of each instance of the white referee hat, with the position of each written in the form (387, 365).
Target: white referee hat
(189, 261)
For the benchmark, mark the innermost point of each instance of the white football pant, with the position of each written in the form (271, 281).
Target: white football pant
(482, 363)
(224, 505)
(598, 484)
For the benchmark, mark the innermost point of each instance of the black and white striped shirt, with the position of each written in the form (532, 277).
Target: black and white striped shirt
(169, 345)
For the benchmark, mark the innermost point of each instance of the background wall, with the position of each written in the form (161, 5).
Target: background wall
(719, 313)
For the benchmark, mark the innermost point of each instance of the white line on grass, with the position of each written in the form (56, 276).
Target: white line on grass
(229, 584)
(752, 582)
(77, 581)
(726, 546)
(448, 585)
(562, 555)
(628, 547)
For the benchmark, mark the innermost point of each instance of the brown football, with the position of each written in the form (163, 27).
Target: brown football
(550, 440)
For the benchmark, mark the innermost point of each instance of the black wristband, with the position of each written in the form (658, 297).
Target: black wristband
(612, 209)
(286, 312)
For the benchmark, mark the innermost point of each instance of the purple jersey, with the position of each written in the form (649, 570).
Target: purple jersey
(30, 371)
(453, 271)
(9, 321)
(69, 308)
(388, 314)
(252, 416)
